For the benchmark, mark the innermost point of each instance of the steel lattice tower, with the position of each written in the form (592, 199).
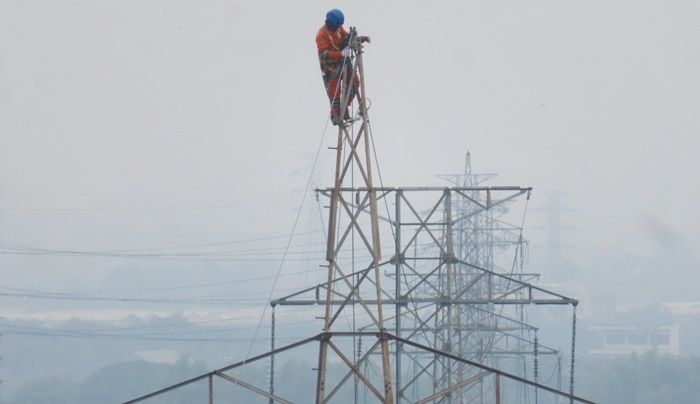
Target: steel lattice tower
(487, 334)
(353, 153)
(428, 304)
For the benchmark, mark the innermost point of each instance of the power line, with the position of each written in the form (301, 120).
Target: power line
(200, 245)
(26, 295)
(111, 331)
(180, 287)
(291, 236)
(126, 337)
(251, 252)
(185, 259)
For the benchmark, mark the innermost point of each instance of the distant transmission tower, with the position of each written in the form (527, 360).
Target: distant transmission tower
(447, 293)
(554, 210)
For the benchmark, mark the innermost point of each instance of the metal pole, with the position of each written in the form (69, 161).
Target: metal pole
(397, 308)
(211, 389)
(449, 247)
(498, 389)
(330, 256)
(536, 365)
(272, 357)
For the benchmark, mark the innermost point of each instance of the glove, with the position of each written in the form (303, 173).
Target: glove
(346, 52)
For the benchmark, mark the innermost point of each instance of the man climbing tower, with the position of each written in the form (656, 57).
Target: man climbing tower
(334, 54)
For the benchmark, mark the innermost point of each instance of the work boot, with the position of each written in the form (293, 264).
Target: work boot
(351, 120)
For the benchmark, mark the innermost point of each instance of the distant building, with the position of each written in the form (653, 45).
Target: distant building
(617, 340)
(682, 308)
(159, 356)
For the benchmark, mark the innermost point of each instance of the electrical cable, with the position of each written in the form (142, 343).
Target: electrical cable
(129, 337)
(223, 253)
(25, 295)
(181, 287)
(294, 226)
(126, 331)
(211, 244)
(303, 199)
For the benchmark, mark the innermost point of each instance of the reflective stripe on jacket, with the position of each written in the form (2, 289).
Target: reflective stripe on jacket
(329, 48)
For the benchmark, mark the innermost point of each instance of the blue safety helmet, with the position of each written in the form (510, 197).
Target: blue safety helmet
(334, 19)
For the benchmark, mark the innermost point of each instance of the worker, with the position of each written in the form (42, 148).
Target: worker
(334, 53)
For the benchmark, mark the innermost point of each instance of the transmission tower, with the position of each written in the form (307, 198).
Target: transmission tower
(443, 302)
(353, 153)
(490, 334)
(415, 305)
(554, 210)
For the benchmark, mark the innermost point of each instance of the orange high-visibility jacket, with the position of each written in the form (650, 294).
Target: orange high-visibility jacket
(329, 47)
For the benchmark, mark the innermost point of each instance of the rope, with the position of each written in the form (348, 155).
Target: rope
(296, 222)
(379, 174)
(520, 238)
(289, 241)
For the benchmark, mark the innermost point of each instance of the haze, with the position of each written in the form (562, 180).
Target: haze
(128, 125)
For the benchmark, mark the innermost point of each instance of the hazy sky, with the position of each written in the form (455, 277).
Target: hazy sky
(156, 123)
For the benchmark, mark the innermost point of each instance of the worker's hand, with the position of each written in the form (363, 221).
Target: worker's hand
(365, 39)
(347, 52)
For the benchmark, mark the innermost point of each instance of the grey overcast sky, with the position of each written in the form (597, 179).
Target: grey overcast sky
(149, 123)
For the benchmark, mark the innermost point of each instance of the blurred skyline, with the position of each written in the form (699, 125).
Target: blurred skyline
(132, 124)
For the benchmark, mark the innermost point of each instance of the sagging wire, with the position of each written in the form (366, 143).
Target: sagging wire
(291, 236)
